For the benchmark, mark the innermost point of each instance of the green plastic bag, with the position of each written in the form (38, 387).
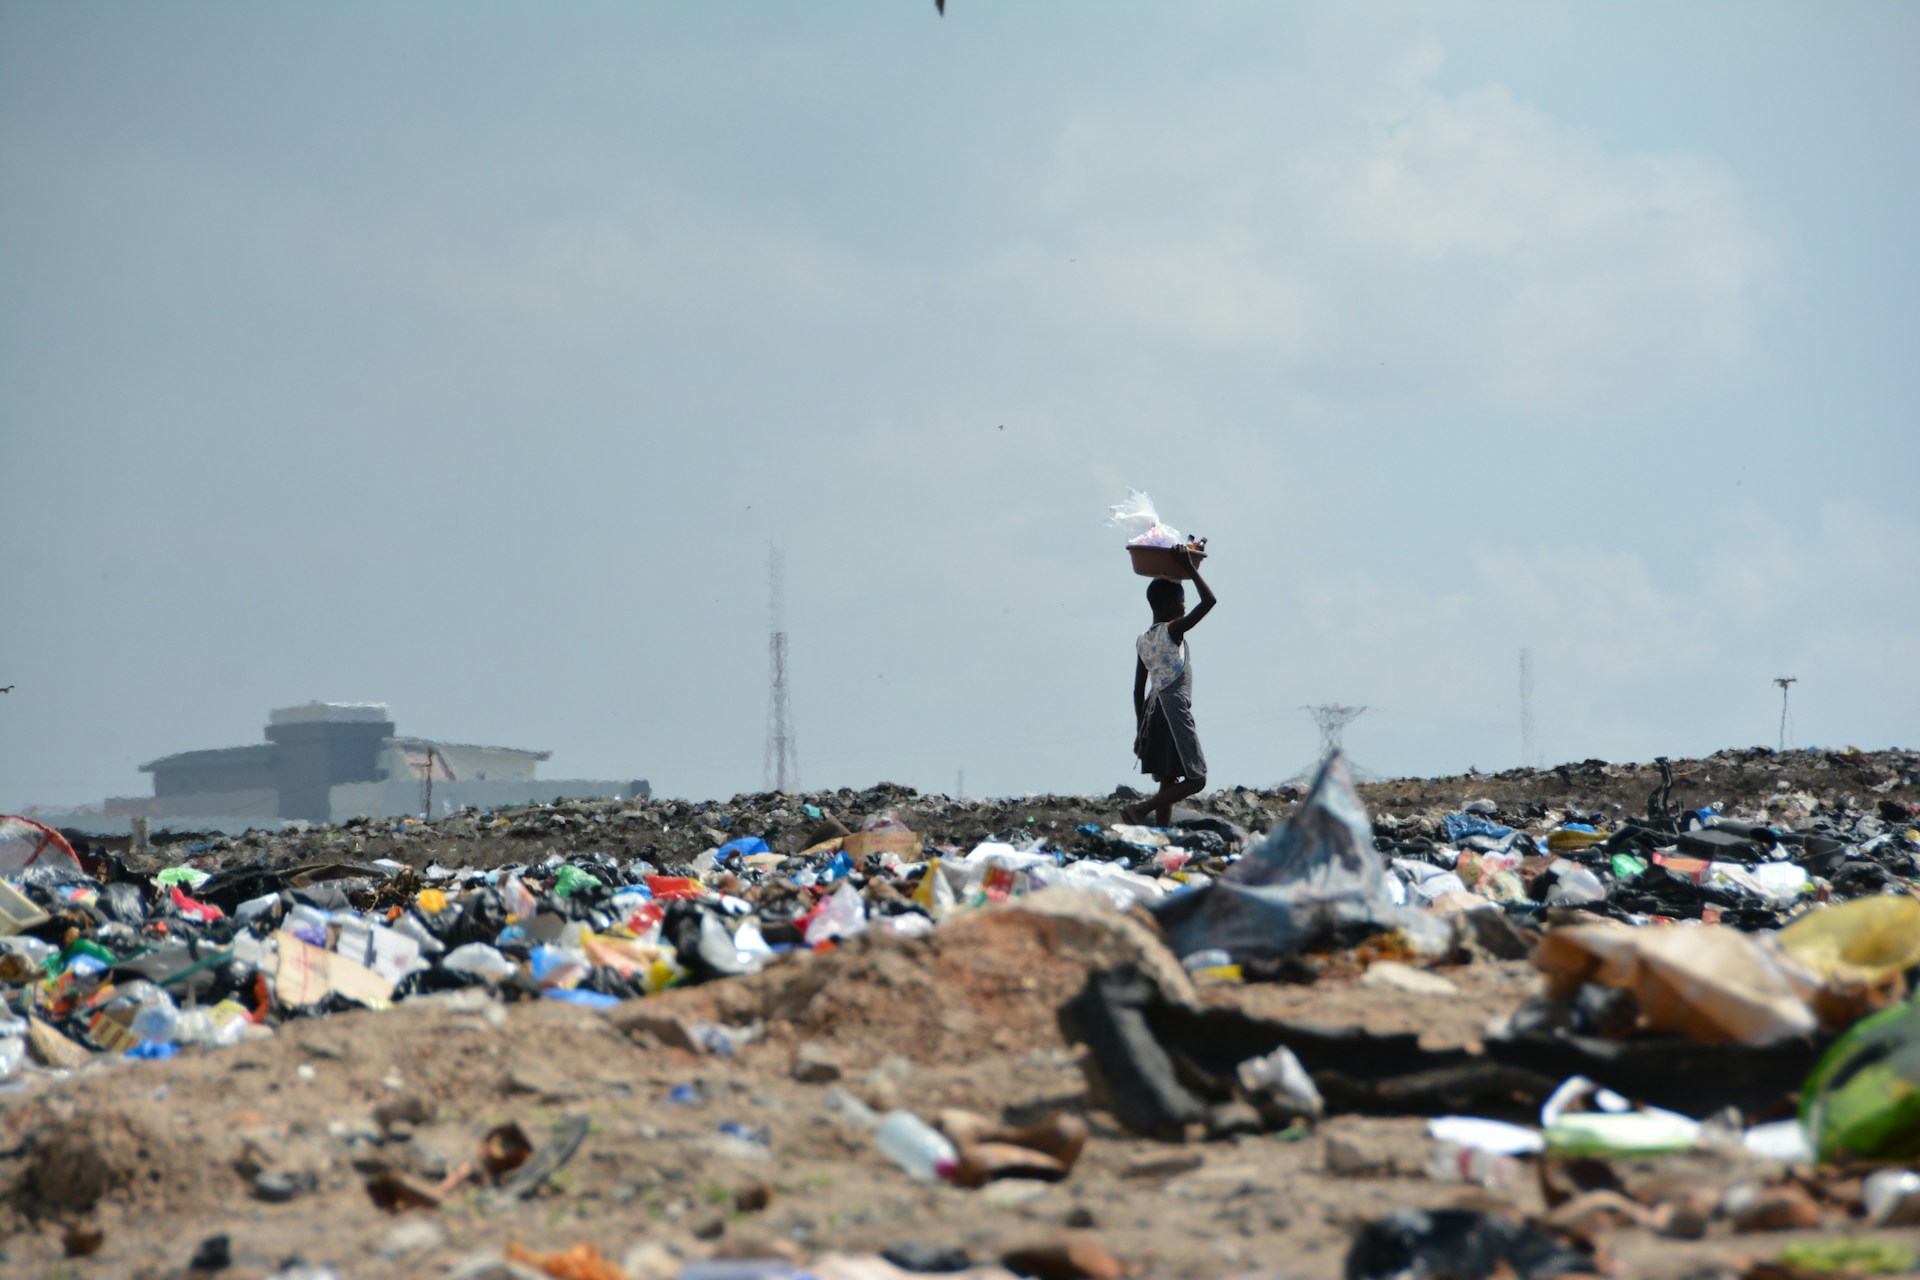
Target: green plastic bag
(1626, 866)
(1864, 1094)
(568, 881)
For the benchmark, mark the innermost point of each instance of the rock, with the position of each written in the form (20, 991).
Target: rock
(1678, 1222)
(542, 1079)
(1158, 1164)
(414, 1236)
(668, 1030)
(83, 1239)
(1009, 1193)
(493, 1266)
(1785, 1208)
(279, 1186)
(752, 1197)
(1080, 1216)
(1489, 933)
(51, 1049)
(408, 1111)
(1404, 977)
(1075, 1260)
(815, 1064)
(1347, 1158)
(883, 1087)
(925, 1258)
(214, 1254)
(1224, 1119)
(649, 1260)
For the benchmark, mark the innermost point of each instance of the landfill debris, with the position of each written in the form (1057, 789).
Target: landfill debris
(1414, 1244)
(1863, 1098)
(1849, 1257)
(1316, 879)
(675, 938)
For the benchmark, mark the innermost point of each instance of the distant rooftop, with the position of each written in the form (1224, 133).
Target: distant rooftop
(330, 713)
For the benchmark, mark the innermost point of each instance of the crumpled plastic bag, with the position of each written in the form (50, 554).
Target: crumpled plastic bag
(1314, 879)
(1710, 983)
(1137, 519)
(1866, 940)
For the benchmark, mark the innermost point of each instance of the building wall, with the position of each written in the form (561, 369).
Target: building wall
(311, 758)
(236, 769)
(486, 764)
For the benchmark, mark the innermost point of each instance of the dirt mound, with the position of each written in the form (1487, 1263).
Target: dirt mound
(942, 999)
(100, 1152)
(989, 981)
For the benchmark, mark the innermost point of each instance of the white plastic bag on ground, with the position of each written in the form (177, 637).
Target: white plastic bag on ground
(843, 916)
(480, 960)
(1118, 885)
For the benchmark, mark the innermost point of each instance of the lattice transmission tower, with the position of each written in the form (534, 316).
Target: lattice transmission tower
(1332, 720)
(782, 762)
(1786, 716)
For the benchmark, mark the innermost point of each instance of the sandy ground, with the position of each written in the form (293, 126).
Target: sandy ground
(160, 1156)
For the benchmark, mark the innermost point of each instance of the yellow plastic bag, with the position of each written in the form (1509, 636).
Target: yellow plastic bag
(1866, 940)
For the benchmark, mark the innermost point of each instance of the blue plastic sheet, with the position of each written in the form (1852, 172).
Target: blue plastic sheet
(1458, 826)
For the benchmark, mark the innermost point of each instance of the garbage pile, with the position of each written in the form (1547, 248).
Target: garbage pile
(1733, 977)
(215, 940)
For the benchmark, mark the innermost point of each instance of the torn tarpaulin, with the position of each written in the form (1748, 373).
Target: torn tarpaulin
(1316, 879)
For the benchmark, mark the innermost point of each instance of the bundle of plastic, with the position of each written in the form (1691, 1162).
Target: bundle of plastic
(1137, 519)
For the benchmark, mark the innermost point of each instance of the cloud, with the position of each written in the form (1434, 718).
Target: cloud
(1636, 656)
(1343, 221)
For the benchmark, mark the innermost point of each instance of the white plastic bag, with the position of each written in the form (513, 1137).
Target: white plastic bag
(844, 915)
(1137, 519)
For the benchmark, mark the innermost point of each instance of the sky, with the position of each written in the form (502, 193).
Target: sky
(469, 356)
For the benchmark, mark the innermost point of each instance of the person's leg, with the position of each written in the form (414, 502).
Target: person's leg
(1173, 793)
(1141, 810)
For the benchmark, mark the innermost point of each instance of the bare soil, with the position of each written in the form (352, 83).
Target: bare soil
(160, 1156)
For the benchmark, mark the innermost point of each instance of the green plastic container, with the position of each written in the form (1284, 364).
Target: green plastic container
(1863, 1097)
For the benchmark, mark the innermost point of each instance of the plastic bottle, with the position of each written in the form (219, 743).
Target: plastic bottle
(157, 1019)
(1892, 1198)
(13, 1044)
(916, 1146)
(1453, 1163)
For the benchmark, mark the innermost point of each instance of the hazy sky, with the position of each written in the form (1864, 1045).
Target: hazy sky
(466, 356)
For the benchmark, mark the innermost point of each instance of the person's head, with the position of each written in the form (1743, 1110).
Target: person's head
(1166, 598)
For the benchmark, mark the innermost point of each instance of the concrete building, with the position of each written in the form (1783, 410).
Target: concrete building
(331, 761)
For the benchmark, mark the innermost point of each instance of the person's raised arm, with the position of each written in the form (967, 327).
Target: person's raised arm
(1180, 626)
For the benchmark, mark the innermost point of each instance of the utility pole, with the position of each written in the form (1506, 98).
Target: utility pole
(1528, 760)
(1786, 721)
(426, 784)
(960, 785)
(782, 766)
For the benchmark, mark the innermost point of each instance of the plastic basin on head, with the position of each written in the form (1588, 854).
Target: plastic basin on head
(1161, 562)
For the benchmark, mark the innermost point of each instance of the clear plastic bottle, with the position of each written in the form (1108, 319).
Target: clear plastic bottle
(157, 1019)
(1451, 1162)
(1893, 1198)
(13, 1044)
(916, 1146)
